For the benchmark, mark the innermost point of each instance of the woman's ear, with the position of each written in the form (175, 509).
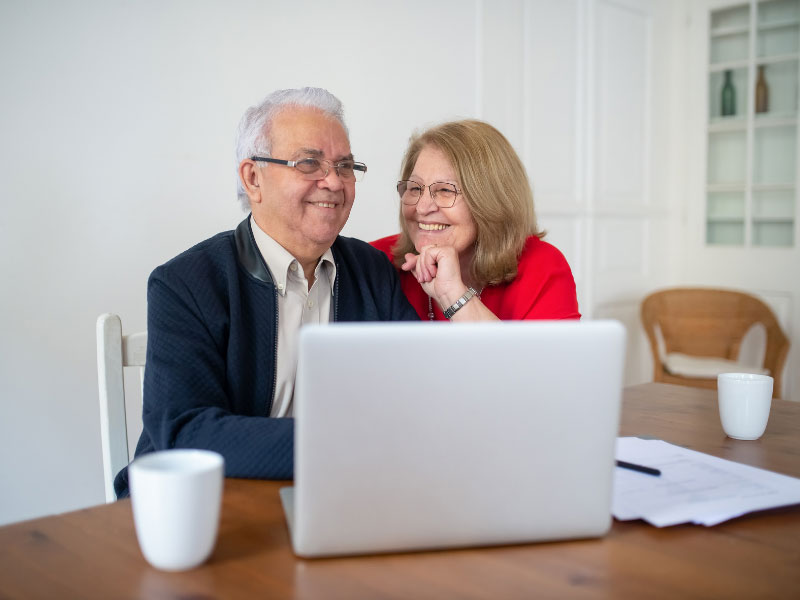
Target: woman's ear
(249, 174)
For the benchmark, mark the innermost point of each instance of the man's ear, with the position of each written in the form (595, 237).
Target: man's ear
(250, 177)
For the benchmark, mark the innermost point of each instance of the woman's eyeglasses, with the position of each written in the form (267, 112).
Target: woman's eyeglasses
(443, 194)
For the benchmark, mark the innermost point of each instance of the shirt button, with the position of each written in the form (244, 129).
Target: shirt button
(310, 304)
(280, 287)
(293, 267)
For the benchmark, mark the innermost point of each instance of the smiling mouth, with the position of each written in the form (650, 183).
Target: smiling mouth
(432, 226)
(324, 204)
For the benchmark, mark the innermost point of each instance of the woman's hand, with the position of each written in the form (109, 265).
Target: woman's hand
(438, 271)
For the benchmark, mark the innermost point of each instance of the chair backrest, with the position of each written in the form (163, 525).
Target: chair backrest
(711, 322)
(115, 352)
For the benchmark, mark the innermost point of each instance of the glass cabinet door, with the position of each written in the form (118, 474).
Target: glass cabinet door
(751, 182)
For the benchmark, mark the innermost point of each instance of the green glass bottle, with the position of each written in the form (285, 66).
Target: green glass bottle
(762, 91)
(728, 96)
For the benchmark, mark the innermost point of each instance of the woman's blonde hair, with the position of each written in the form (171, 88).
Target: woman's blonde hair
(495, 187)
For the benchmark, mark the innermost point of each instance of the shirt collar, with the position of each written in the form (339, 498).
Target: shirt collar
(279, 260)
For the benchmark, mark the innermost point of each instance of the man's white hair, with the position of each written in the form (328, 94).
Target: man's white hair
(254, 135)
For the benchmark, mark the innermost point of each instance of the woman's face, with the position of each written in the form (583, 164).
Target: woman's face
(429, 224)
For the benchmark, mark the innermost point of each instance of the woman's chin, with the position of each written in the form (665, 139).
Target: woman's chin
(427, 239)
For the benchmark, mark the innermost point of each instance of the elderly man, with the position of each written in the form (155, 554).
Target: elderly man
(224, 316)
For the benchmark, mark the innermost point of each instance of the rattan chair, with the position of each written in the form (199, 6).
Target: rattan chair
(696, 333)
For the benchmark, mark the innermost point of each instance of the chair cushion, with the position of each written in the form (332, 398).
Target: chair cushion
(706, 367)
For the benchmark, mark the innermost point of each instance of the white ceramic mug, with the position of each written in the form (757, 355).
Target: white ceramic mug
(744, 403)
(176, 497)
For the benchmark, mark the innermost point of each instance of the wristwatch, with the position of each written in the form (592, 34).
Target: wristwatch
(459, 303)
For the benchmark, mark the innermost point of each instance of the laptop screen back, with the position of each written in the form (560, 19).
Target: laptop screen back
(412, 436)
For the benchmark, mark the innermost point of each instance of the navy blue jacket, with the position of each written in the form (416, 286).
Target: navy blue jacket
(212, 337)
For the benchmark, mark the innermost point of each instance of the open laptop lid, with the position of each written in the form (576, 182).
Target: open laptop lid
(412, 436)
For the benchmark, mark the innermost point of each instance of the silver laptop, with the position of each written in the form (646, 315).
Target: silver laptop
(437, 435)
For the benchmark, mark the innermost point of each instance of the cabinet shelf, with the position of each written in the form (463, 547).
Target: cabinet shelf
(725, 187)
(773, 187)
(777, 119)
(726, 31)
(728, 220)
(763, 27)
(728, 65)
(778, 58)
(733, 123)
(772, 220)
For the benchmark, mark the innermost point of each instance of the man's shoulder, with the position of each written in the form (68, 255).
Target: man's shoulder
(217, 252)
(353, 249)
(368, 284)
(358, 262)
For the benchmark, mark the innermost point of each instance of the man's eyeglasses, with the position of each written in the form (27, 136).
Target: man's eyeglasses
(315, 169)
(443, 194)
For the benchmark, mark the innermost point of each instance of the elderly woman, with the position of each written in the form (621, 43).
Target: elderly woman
(470, 249)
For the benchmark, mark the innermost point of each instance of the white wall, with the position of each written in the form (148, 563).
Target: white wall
(116, 154)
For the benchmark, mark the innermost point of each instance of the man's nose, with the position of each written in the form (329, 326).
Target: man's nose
(331, 181)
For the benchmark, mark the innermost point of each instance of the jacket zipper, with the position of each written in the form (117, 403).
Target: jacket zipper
(275, 354)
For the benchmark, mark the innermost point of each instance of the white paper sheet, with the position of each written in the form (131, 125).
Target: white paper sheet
(693, 487)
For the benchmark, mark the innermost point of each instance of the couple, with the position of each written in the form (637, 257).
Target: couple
(224, 316)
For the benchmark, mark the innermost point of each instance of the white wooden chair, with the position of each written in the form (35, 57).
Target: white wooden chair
(115, 352)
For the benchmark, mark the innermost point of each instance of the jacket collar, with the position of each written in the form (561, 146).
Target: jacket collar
(250, 256)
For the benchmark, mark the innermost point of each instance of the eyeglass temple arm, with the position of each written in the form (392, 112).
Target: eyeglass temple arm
(277, 161)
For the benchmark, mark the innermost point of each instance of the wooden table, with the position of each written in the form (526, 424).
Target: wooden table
(93, 553)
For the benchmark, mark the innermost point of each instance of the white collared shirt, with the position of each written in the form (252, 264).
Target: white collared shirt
(297, 305)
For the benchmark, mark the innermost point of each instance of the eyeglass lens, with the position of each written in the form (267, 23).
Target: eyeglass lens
(443, 194)
(315, 168)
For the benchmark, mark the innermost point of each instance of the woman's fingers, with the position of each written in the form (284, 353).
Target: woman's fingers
(427, 267)
(410, 263)
(437, 268)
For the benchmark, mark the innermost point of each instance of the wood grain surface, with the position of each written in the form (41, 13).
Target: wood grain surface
(93, 553)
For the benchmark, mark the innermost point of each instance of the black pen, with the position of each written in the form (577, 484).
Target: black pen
(639, 468)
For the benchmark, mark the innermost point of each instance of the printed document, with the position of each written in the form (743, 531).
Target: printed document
(693, 487)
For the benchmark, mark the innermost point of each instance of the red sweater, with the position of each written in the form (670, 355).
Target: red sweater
(543, 288)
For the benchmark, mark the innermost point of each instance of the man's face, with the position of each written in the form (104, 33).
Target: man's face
(304, 216)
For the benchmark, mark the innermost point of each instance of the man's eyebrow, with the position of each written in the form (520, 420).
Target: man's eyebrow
(310, 152)
(315, 153)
